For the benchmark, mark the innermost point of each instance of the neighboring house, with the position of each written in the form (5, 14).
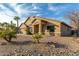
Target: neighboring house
(45, 26)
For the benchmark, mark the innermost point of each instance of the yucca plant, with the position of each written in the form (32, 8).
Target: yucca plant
(37, 37)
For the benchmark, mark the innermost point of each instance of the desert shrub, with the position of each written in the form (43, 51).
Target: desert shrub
(36, 37)
(8, 31)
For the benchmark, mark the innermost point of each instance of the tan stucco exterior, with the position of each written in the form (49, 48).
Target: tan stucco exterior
(39, 25)
(23, 28)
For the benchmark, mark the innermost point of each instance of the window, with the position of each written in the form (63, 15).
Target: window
(50, 28)
(30, 29)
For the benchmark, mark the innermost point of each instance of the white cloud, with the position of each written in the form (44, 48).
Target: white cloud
(54, 8)
(27, 11)
(18, 9)
(6, 15)
(36, 7)
(13, 4)
(38, 14)
(4, 18)
(2, 7)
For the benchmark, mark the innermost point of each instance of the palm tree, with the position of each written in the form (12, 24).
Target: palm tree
(11, 22)
(16, 18)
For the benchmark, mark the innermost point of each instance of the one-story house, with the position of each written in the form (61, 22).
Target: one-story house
(45, 26)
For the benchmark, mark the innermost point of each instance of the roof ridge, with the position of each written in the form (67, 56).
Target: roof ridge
(50, 19)
(44, 18)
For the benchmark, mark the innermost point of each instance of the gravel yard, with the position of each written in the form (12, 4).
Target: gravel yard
(48, 46)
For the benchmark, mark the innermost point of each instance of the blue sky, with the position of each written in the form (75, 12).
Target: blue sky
(23, 10)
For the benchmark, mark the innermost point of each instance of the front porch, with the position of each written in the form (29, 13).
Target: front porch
(43, 27)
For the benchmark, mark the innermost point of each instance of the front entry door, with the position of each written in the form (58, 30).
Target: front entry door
(36, 29)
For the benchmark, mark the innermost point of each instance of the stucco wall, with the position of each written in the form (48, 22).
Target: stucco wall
(58, 29)
(23, 29)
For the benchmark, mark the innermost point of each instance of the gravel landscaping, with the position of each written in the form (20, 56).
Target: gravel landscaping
(24, 46)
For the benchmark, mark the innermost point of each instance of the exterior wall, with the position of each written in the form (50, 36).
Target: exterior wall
(58, 30)
(23, 29)
(65, 30)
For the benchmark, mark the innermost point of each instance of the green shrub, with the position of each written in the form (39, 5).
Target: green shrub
(37, 37)
(8, 32)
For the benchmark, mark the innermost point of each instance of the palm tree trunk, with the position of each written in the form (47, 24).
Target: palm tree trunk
(17, 26)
